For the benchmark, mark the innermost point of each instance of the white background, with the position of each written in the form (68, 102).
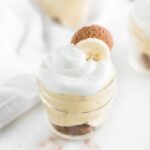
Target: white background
(128, 127)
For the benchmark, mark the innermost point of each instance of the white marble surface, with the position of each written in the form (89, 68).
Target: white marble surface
(128, 127)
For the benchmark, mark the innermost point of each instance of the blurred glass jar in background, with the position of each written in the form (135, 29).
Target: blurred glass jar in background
(67, 12)
(61, 17)
(139, 25)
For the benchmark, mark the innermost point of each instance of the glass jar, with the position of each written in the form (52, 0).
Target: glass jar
(62, 17)
(139, 27)
(77, 117)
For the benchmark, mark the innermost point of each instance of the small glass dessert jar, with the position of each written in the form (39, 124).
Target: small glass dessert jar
(77, 84)
(139, 27)
(77, 117)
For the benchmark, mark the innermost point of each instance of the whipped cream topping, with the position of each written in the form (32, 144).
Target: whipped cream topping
(141, 14)
(66, 70)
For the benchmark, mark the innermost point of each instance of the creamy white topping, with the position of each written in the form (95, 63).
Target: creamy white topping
(140, 13)
(66, 70)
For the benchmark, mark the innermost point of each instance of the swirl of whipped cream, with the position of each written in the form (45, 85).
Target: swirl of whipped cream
(66, 70)
(140, 14)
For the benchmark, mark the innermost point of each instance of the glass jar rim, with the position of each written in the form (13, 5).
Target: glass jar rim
(88, 97)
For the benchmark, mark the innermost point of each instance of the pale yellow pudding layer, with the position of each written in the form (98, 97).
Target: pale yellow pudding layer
(141, 38)
(70, 110)
(68, 12)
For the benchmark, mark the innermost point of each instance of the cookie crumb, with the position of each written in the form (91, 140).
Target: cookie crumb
(146, 60)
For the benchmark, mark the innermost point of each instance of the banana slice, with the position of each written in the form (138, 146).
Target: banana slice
(94, 49)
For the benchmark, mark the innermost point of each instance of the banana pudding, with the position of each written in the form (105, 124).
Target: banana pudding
(77, 83)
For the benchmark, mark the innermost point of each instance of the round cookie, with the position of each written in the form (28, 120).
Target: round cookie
(93, 31)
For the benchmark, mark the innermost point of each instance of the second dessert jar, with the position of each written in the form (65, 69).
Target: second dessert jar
(139, 25)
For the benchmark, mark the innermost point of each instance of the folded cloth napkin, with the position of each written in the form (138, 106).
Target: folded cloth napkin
(21, 49)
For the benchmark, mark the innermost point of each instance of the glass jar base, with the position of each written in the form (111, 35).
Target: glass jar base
(140, 62)
(68, 136)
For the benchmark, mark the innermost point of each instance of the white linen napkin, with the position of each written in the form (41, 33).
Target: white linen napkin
(21, 50)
